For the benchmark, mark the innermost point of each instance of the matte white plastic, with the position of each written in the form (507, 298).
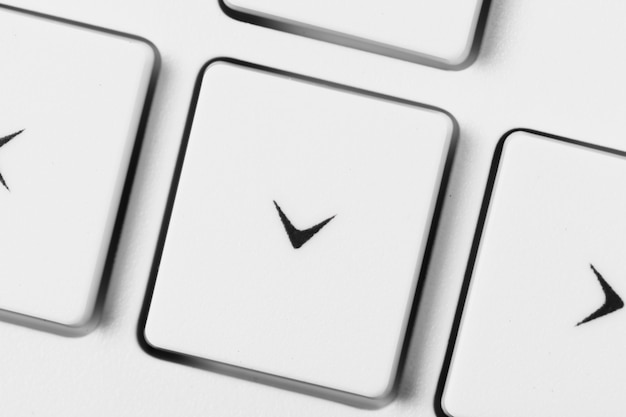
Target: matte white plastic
(557, 66)
(78, 95)
(556, 209)
(232, 289)
(437, 31)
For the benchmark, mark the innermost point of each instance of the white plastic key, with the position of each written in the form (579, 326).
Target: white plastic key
(323, 311)
(435, 32)
(543, 328)
(71, 99)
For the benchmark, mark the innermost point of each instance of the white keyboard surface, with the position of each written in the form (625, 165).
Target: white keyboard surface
(258, 292)
(554, 66)
(543, 311)
(66, 167)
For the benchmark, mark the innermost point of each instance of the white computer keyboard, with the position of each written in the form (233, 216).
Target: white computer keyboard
(553, 67)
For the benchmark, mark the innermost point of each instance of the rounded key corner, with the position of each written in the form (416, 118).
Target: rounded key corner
(221, 60)
(148, 49)
(463, 56)
(144, 337)
(512, 135)
(232, 10)
(520, 133)
(518, 137)
(444, 407)
(447, 123)
(80, 326)
(459, 58)
(456, 62)
(227, 6)
(373, 399)
(512, 132)
(147, 343)
(381, 397)
(451, 124)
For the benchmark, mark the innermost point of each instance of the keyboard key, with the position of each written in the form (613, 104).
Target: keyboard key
(434, 32)
(542, 326)
(297, 232)
(71, 102)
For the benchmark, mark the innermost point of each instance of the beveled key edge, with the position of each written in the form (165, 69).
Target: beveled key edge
(254, 375)
(363, 44)
(37, 323)
(489, 187)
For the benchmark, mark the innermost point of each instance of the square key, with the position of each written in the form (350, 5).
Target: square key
(71, 100)
(542, 330)
(440, 33)
(298, 225)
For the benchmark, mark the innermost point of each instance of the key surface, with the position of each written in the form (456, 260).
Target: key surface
(71, 100)
(542, 328)
(297, 232)
(435, 32)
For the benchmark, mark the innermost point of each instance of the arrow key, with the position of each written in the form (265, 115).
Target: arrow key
(296, 238)
(541, 326)
(73, 99)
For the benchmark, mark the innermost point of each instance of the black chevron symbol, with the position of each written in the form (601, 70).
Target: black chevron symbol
(612, 302)
(4, 141)
(299, 237)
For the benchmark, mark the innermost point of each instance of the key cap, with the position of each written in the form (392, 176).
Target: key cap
(440, 33)
(297, 232)
(70, 106)
(542, 327)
